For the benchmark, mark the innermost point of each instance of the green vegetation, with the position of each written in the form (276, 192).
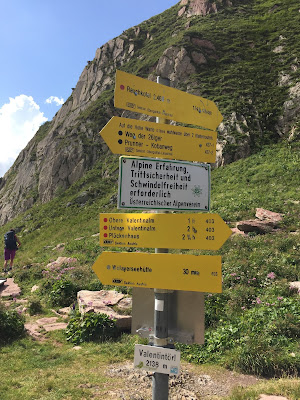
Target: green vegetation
(11, 325)
(253, 326)
(91, 327)
(54, 370)
(255, 44)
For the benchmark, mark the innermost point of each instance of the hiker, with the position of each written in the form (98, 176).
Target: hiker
(11, 243)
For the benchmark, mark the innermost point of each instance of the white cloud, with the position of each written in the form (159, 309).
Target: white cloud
(56, 100)
(19, 121)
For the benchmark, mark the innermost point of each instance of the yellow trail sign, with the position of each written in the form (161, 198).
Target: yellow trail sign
(151, 98)
(176, 231)
(143, 138)
(161, 271)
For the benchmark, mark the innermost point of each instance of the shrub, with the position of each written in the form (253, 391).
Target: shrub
(95, 285)
(63, 293)
(91, 327)
(34, 306)
(258, 358)
(11, 325)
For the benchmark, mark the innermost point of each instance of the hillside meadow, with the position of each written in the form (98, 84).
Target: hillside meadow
(251, 328)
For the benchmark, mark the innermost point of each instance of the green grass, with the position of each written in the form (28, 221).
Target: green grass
(54, 370)
(283, 387)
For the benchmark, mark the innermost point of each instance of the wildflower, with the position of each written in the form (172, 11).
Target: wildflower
(233, 274)
(258, 300)
(243, 308)
(279, 298)
(271, 275)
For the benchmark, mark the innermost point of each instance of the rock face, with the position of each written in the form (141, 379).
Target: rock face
(68, 146)
(200, 7)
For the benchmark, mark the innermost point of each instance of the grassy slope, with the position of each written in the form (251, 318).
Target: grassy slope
(269, 179)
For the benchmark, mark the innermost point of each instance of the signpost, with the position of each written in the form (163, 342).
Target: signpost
(146, 183)
(149, 139)
(157, 359)
(176, 231)
(147, 97)
(161, 184)
(160, 271)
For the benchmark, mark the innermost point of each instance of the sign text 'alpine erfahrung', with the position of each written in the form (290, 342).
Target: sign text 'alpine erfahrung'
(146, 183)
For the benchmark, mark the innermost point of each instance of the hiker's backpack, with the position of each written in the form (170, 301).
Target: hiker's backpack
(10, 240)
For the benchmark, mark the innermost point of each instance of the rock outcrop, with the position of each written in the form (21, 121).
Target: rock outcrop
(267, 221)
(201, 7)
(109, 302)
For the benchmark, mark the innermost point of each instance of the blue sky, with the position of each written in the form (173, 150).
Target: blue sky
(44, 47)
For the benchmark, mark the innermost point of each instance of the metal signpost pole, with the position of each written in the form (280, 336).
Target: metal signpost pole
(160, 382)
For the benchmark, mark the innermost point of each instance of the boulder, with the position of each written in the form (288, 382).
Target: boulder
(236, 231)
(271, 216)
(295, 286)
(34, 288)
(60, 261)
(10, 289)
(253, 225)
(101, 302)
(266, 222)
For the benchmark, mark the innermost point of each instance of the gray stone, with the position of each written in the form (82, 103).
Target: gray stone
(34, 288)
(101, 302)
(236, 231)
(61, 261)
(271, 216)
(295, 286)
(10, 288)
(267, 221)
(253, 225)
(49, 324)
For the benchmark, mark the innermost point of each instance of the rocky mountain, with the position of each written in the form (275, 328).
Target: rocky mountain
(242, 54)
